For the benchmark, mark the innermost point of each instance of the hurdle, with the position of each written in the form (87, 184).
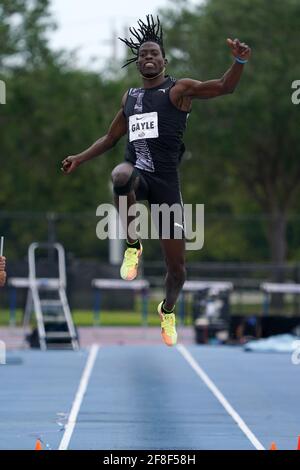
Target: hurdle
(140, 286)
(270, 288)
(15, 283)
(213, 287)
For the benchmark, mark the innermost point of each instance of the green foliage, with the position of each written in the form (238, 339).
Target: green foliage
(248, 140)
(242, 149)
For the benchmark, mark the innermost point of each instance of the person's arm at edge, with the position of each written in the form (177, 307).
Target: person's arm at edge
(2, 271)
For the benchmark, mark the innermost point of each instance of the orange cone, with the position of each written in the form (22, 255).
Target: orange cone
(38, 445)
(298, 446)
(273, 446)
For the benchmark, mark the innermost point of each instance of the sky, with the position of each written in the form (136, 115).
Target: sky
(89, 26)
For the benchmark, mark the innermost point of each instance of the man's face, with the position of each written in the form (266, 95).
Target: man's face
(150, 59)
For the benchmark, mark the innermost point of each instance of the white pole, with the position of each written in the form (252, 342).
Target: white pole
(1, 246)
(115, 242)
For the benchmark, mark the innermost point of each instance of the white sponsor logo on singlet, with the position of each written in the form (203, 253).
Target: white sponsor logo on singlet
(143, 126)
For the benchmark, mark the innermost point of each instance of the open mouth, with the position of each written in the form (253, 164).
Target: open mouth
(149, 65)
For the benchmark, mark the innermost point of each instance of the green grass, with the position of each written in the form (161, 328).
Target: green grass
(4, 317)
(107, 317)
(134, 318)
(113, 318)
(86, 318)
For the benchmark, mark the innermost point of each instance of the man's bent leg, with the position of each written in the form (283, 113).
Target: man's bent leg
(125, 180)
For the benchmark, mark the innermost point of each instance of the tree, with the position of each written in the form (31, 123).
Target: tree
(24, 28)
(250, 138)
(52, 110)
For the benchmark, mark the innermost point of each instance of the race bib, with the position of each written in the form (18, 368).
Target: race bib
(143, 126)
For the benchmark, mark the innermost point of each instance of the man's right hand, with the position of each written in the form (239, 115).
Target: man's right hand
(70, 164)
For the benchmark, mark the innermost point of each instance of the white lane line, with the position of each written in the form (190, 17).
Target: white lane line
(79, 397)
(216, 392)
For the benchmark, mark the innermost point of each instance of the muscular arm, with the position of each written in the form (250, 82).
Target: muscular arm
(117, 129)
(212, 88)
(189, 88)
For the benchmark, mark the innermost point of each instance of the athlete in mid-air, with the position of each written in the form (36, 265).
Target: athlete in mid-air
(154, 118)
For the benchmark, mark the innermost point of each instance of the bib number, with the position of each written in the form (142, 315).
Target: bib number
(143, 126)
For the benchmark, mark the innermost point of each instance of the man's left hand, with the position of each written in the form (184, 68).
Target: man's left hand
(239, 49)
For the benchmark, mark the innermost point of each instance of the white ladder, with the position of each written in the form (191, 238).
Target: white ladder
(55, 325)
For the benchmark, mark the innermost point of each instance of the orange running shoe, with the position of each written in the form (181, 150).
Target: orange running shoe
(168, 326)
(129, 268)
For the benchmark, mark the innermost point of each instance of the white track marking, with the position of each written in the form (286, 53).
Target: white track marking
(220, 397)
(79, 398)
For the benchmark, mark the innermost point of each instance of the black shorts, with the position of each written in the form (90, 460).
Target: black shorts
(163, 189)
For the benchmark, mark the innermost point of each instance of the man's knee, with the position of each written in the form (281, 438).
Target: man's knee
(123, 178)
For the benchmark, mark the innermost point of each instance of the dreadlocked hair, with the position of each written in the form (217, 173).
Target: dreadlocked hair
(146, 32)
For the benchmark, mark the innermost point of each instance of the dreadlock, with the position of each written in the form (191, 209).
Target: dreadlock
(146, 32)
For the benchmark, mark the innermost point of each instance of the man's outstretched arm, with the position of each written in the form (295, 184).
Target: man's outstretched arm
(227, 84)
(117, 129)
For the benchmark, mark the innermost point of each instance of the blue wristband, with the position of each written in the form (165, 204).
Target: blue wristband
(241, 61)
